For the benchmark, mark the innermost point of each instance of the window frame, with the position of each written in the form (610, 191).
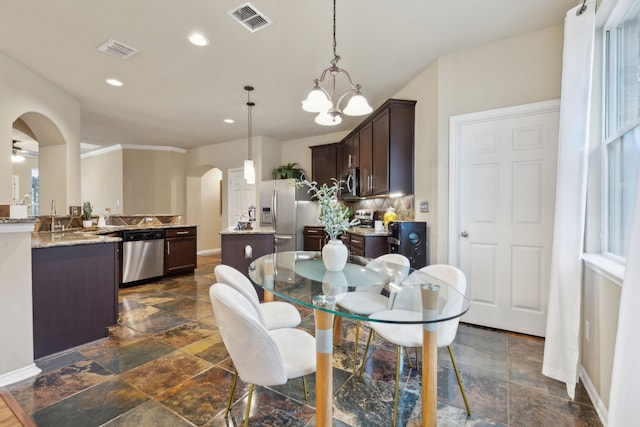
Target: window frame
(613, 130)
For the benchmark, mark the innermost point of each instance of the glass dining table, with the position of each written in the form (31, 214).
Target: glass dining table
(301, 278)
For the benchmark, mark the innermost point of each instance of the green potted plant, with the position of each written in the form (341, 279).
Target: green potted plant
(87, 210)
(336, 220)
(288, 171)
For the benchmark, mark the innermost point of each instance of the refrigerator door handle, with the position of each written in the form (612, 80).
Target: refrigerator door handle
(274, 204)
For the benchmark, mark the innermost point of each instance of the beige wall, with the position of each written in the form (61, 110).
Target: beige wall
(600, 305)
(54, 117)
(154, 181)
(102, 180)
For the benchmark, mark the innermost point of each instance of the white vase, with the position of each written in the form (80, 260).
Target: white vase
(334, 255)
(87, 223)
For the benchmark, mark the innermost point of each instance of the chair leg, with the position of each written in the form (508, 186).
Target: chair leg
(247, 411)
(395, 398)
(304, 387)
(233, 389)
(455, 368)
(406, 352)
(355, 348)
(364, 356)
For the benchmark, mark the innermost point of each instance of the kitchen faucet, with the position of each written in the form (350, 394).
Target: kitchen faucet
(53, 215)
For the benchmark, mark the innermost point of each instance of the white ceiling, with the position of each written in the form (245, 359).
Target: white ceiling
(177, 94)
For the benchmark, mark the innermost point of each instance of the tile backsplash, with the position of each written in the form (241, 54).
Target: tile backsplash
(404, 206)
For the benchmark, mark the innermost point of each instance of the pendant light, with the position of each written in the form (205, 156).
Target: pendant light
(249, 168)
(323, 102)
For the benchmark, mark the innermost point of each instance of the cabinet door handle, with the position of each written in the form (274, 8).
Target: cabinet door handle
(349, 160)
(182, 232)
(168, 248)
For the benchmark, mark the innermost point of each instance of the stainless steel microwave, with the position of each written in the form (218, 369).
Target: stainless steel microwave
(350, 184)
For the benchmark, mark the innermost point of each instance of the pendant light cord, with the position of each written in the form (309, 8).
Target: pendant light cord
(336, 58)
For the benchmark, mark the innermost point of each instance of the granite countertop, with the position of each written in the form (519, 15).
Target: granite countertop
(29, 220)
(48, 239)
(255, 230)
(88, 236)
(365, 231)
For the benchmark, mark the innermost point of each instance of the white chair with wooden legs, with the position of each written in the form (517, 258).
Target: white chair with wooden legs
(367, 302)
(274, 315)
(407, 307)
(261, 357)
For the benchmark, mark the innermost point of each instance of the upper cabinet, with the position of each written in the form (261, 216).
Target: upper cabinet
(381, 147)
(324, 163)
(386, 149)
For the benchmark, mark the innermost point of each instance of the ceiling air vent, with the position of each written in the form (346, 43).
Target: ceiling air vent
(117, 49)
(250, 17)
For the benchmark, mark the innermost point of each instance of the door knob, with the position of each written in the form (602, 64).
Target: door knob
(464, 234)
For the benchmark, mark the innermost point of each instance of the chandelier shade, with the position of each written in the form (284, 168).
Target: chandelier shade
(323, 101)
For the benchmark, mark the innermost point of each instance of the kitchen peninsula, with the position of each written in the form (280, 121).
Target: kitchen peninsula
(76, 275)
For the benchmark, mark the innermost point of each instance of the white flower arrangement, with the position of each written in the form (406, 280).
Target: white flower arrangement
(333, 214)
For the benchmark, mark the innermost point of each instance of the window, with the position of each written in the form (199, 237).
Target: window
(622, 124)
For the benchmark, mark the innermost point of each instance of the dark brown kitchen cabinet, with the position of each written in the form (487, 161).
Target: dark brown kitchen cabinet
(351, 157)
(324, 163)
(365, 136)
(346, 239)
(180, 250)
(314, 238)
(386, 141)
(367, 246)
(75, 295)
(241, 249)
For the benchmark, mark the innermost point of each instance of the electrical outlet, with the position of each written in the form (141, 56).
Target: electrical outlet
(424, 206)
(587, 329)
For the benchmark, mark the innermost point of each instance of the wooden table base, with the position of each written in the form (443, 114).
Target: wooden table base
(324, 368)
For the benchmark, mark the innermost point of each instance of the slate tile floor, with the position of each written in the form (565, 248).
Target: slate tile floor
(164, 364)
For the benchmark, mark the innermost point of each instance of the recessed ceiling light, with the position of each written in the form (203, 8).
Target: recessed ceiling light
(198, 39)
(114, 82)
(229, 121)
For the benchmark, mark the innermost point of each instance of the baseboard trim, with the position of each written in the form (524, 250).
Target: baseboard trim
(208, 252)
(19, 374)
(598, 404)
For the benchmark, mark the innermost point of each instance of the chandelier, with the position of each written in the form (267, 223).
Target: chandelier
(323, 102)
(249, 168)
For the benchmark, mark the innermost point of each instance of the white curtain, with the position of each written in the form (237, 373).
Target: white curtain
(562, 350)
(623, 400)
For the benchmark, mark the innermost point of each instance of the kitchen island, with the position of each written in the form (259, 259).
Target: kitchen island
(241, 247)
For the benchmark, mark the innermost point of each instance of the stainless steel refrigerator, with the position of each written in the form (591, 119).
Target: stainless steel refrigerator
(287, 209)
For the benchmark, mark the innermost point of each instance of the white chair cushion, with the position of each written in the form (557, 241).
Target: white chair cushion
(406, 335)
(298, 350)
(280, 314)
(363, 303)
(283, 317)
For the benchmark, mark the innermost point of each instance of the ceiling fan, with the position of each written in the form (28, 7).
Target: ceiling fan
(18, 153)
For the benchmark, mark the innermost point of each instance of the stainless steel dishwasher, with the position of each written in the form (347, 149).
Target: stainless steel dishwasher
(142, 255)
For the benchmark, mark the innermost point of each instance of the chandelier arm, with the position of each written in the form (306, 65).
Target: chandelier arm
(353, 85)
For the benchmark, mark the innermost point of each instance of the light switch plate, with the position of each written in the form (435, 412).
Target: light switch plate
(424, 206)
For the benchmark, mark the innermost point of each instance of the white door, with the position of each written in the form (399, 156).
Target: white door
(241, 196)
(503, 177)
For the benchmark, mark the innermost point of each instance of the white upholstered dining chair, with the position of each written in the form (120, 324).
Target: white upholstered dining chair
(366, 302)
(260, 356)
(274, 314)
(408, 307)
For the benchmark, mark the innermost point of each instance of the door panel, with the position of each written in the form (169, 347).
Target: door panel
(502, 212)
